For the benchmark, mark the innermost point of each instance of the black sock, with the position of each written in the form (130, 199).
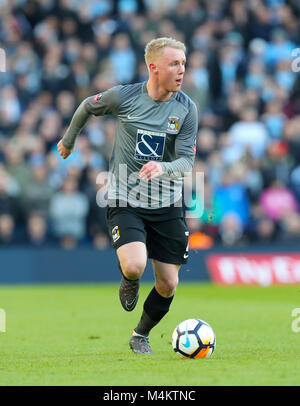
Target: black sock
(155, 308)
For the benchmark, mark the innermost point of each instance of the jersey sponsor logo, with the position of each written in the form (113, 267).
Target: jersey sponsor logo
(97, 97)
(173, 124)
(149, 146)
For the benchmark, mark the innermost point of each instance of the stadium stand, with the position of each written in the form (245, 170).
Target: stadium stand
(242, 73)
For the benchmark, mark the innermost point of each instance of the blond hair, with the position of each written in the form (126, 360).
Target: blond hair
(156, 46)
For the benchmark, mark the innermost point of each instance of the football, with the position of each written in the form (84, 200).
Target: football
(193, 338)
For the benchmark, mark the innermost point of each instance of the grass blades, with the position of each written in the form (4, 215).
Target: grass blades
(77, 335)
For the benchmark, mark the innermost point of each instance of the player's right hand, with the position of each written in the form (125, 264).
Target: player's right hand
(63, 151)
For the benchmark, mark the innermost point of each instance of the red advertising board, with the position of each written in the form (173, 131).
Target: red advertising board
(254, 269)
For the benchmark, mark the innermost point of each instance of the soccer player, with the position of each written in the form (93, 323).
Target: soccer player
(154, 149)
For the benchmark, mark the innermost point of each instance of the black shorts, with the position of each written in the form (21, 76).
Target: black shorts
(164, 231)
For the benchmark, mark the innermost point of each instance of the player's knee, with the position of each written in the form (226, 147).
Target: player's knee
(167, 288)
(133, 268)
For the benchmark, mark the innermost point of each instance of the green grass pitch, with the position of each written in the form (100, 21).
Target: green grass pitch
(77, 335)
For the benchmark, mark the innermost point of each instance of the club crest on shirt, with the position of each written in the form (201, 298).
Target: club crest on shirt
(115, 233)
(173, 124)
(97, 97)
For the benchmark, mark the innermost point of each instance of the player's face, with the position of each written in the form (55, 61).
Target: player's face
(171, 68)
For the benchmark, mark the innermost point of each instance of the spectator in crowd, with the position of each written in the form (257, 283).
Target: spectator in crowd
(240, 74)
(17, 167)
(198, 77)
(232, 197)
(278, 49)
(38, 192)
(276, 200)
(122, 59)
(247, 135)
(256, 74)
(94, 189)
(69, 226)
(231, 229)
(65, 105)
(294, 183)
(37, 230)
(277, 163)
(9, 210)
(7, 227)
(204, 212)
(261, 228)
(10, 111)
(274, 119)
(290, 227)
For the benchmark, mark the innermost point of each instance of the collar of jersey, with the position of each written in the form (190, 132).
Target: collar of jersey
(144, 90)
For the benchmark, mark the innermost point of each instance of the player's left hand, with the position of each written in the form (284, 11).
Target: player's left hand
(151, 170)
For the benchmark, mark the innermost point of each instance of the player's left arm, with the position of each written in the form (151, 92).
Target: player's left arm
(184, 150)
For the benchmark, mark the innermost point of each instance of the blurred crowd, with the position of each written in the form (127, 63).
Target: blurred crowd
(242, 72)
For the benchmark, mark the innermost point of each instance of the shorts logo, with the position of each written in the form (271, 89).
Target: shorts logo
(186, 254)
(149, 146)
(115, 232)
(97, 97)
(173, 124)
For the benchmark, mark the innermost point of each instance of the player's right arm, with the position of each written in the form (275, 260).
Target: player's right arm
(98, 105)
(63, 151)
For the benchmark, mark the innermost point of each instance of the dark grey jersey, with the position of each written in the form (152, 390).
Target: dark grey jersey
(163, 131)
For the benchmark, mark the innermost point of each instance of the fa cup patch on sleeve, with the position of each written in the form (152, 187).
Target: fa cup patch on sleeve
(97, 97)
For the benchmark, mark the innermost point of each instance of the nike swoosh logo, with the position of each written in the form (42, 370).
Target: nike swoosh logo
(130, 304)
(185, 256)
(187, 340)
(132, 117)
